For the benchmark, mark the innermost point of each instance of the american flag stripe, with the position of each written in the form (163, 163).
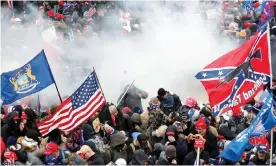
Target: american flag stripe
(78, 121)
(68, 113)
(64, 122)
(65, 106)
(76, 109)
(69, 116)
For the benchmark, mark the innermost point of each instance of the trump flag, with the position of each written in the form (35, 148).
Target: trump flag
(261, 124)
(235, 78)
(26, 80)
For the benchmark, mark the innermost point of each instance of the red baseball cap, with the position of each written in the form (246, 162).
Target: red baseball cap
(51, 148)
(199, 143)
(201, 124)
(190, 102)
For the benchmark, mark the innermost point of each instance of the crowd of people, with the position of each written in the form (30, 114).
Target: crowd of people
(168, 132)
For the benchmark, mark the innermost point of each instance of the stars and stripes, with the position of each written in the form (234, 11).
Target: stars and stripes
(75, 110)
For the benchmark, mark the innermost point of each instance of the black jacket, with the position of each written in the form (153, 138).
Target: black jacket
(181, 149)
(191, 157)
(210, 144)
(11, 128)
(123, 122)
(96, 159)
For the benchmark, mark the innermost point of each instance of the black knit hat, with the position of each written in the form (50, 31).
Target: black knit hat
(32, 134)
(161, 92)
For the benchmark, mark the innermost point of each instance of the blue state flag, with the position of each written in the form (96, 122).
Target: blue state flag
(262, 123)
(26, 80)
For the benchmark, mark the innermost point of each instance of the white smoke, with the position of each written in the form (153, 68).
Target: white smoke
(168, 54)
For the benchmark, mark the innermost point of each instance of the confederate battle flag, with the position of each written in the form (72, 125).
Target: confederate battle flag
(235, 78)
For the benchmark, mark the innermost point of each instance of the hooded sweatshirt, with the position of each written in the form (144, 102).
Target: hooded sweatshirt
(117, 140)
(89, 136)
(131, 99)
(11, 127)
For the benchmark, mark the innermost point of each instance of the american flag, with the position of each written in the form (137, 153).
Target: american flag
(76, 109)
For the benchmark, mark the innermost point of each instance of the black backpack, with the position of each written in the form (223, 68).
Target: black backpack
(177, 102)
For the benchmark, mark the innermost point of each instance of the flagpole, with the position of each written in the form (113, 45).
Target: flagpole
(197, 157)
(53, 77)
(271, 145)
(99, 82)
(125, 93)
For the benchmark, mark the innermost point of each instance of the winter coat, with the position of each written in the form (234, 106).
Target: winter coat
(115, 141)
(181, 149)
(131, 99)
(115, 155)
(88, 135)
(163, 160)
(96, 159)
(227, 131)
(130, 150)
(123, 122)
(105, 116)
(10, 128)
(32, 149)
(256, 161)
(191, 157)
(210, 144)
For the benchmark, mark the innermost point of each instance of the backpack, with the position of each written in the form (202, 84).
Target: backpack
(177, 101)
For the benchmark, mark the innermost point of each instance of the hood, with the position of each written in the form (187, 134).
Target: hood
(29, 144)
(18, 108)
(11, 115)
(30, 114)
(162, 156)
(87, 132)
(136, 118)
(117, 139)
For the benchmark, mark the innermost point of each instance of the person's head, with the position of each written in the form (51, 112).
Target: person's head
(162, 93)
(113, 110)
(24, 117)
(261, 151)
(142, 139)
(117, 141)
(14, 120)
(190, 102)
(52, 149)
(89, 149)
(171, 133)
(170, 152)
(201, 126)
(140, 158)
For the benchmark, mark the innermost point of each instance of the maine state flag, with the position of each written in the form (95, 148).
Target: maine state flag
(26, 80)
(262, 124)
